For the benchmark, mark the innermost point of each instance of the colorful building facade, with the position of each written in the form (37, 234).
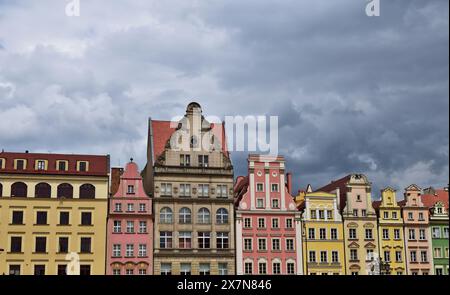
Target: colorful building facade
(268, 225)
(130, 225)
(437, 201)
(417, 233)
(360, 222)
(53, 210)
(190, 178)
(323, 244)
(390, 232)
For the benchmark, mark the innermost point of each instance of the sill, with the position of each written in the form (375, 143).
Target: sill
(63, 225)
(116, 256)
(86, 252)
(15, 252)
(354, 261)
(262, 251)
(39, 253)
(85, 225)
(223, 223)
(16, 224)
(41, 224)
(166, 196)
(67, 252)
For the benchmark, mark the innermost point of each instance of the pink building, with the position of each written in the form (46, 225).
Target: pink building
(130, 226)
(417, 232)
(268, 226)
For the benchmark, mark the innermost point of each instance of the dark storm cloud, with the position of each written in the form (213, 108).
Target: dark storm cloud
(353, 93)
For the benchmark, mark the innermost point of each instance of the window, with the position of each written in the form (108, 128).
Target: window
(387, 256)
(248, 245)
(394, 215)
(185, 269)
(204, 217)
(130, 190)
(290, 267)
(437, 253)
(311, 233)
(386, 215)
(185, 190)
(142, 251)
(329, 214)
(116, 272)
(259, 203)
(1, 188)
(204, 269)
(40, 165)
(363, 212)
(130, 226)
(335, 257)
(422, 235)
(64, 218)
(16, 245)
(64, 190)
(129, 250)
(166, 269)
(185, 240)
(369, 254)
(63, 245)
(276, 268)
(222, 191)
(222, 216)
(165, 215)
(352, 233)
(1, 163)
(117, 226)
(421, 218)
(439, 271)
(413, 256)
(261, 222)
(323, 256)
(321, 214)
(398, 256)
(334, 234)
(130, 207)
(85, 245)
(86, 218)
(203, 190)
(275, 223)
(82, 166)
(276, 245)
(410, 216)
(87, 191)
(323, 234)
(274, 187)
(423, 256)
(17, 217)
(42, 190)
(355, 212)
(62, 166)
(19, 190)
(312, 256)
(436, 232)
(353, 254)
(166, 189)
(369, 234)
(117, 207)
(204, 240)
(20, 164)
(247, 223)
(262, 245)
(203, 161)
(117, 250)
(85, 270)
(445, 229)
(248, 268)
(289, 244)
(289, 223)
(396, 234)
(412, 234)
(358, 198)
(40, 245)
(260, 187)
(185, 216)
(39, 270)
(41, 218)
(275, 203)
(142, 227)
(185, 160)
(142, 207)
(262, 268)
(165, 240)
(385, 234)
(129, 272)
(62, 270)
(222, 240)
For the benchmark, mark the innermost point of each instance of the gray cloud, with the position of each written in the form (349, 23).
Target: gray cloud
(353, 93)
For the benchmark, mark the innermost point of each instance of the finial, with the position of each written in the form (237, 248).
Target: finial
(131, 159)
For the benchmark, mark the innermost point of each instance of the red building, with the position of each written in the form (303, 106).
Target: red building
(268, 226)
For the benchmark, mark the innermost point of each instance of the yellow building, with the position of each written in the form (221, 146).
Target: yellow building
(390, 232)
(323, 246)
(53, 211)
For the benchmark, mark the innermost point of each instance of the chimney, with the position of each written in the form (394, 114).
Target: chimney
(289, 183)
(115, 179)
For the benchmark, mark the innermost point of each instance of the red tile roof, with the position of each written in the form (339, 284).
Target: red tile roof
(162, 132)
(429, 200)
(98, 165)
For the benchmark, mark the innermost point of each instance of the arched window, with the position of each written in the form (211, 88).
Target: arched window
(222, 216)
(19, 190)
(204, 216)
(65, 190)
(185, 215)
(165, 215)
(42, 190)
(87, 191)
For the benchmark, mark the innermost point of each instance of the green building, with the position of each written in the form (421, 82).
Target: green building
(437, 201)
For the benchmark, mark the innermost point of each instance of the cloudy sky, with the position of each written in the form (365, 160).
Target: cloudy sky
(353, 93)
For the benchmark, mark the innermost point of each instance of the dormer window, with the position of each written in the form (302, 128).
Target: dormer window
(203, 161)
(20, 164)
(40, 165)
(83, 166)
(2, 163)
(61, 165)
(130, 189)
(439, 210)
